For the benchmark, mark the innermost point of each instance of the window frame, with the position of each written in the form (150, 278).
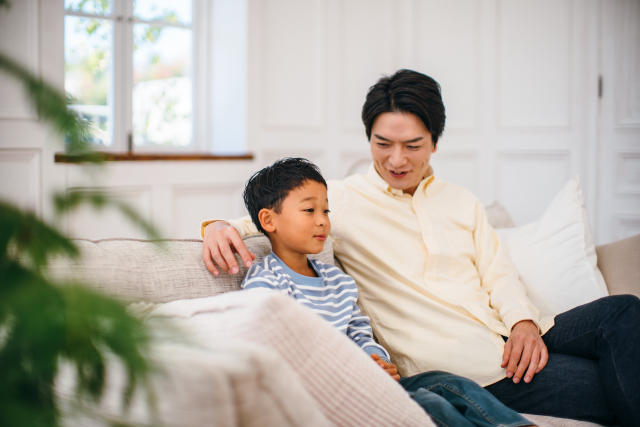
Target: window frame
(121, 92)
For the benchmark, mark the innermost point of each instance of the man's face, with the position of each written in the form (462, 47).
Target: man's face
(401, 148)
(302, 226)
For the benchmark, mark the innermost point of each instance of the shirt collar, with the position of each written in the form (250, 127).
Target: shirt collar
(374, 177)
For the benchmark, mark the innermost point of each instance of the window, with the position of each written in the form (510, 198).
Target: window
(137, 70)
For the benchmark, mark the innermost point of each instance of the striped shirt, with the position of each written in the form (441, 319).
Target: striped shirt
(332, 295)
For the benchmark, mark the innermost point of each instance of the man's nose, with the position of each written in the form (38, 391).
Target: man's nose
(397, 157)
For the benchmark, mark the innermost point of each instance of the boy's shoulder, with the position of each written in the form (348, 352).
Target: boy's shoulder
(265, 265)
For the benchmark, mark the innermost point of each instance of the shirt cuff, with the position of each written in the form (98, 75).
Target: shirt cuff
(511, 320)
(372, 349)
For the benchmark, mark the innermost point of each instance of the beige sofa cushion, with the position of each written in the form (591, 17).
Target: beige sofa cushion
(350, 389)
(226, 384)
(619, 263)
(140, 270)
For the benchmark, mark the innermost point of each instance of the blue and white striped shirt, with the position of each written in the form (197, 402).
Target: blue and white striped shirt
(333, 295)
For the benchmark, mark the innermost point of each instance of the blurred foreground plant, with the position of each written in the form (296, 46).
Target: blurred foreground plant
(44, 323)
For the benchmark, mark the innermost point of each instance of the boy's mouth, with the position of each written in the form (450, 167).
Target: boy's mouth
(321, 237)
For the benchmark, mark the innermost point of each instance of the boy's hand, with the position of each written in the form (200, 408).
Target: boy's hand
(389, 367)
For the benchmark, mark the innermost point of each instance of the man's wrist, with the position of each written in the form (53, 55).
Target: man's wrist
(524, 322)
(212, 225)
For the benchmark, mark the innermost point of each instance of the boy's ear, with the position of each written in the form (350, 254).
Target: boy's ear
(266, 220)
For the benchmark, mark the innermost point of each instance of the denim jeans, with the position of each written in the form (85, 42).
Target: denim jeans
(593, 373)
(454, 401)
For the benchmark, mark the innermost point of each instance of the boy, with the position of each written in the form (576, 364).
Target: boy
(288, 203)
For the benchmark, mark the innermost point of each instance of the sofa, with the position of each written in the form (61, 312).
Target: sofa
(229, 358)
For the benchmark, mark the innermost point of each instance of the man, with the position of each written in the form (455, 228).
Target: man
(438, 287)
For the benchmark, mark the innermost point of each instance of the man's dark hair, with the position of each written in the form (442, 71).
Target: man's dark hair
(268, 187)
(406, 91)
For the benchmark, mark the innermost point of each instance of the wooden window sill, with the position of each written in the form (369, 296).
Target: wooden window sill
(142, 157)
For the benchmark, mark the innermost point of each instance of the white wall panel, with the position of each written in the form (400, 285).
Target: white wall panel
(271, 155)
(628, 78)
(528, 181)
(628, 179)
(625, 225)
(20, 178)
(293, 55)
(534, 63)
(354, 162)
(460, 168)
(447, 34)
(192, 205)
(19, 41)
(367, 53)
(88, 223)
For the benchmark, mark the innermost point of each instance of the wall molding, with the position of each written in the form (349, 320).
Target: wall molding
(570, 58)
(625, 225)
(32, 160)
(30, 60)
(626, 161)
(627, 58)
(281, 120)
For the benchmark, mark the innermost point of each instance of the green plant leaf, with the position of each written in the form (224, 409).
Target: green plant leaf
(25, 234)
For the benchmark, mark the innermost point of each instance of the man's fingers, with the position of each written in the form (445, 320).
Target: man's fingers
(525, 359)
(506, 355)
(396, 377)
(514, 358)
(375, 357)
(208, 261)
(533, 365)
(217, 256)
(229, 259)
(246, 256)
(544, 358)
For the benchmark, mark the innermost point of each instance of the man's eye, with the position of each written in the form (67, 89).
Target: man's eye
(382, 144)
(413, 147)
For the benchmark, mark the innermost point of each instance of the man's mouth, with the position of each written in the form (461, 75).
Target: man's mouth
(398, 174)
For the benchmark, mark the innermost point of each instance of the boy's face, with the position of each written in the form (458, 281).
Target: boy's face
(302, 226)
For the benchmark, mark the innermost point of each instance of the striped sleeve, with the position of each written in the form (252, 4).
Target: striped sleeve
(359, 331)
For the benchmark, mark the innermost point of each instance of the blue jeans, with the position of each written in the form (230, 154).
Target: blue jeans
(454, 401)
(593, 373)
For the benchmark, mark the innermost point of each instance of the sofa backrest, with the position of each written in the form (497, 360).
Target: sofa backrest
(141, 270)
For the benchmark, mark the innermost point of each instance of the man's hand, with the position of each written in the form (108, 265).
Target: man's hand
(389, 367)
(221, 240)
(524, 349)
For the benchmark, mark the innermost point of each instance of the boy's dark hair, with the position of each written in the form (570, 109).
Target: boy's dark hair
(406, 91)
(268, 187)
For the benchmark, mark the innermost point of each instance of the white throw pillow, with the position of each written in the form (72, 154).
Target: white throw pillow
(556, 256)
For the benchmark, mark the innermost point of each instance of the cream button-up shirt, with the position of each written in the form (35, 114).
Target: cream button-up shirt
(431, 274)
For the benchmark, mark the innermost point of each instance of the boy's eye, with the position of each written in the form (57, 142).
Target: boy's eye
(309, 210)
(327, 211)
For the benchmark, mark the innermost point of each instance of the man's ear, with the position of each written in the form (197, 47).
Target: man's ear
(435, 147)
(266, 220)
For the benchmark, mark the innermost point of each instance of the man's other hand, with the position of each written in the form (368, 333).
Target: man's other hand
(221, 241)
(525, 354)
(389, 367)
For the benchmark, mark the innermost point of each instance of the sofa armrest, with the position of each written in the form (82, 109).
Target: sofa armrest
(619, 263)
